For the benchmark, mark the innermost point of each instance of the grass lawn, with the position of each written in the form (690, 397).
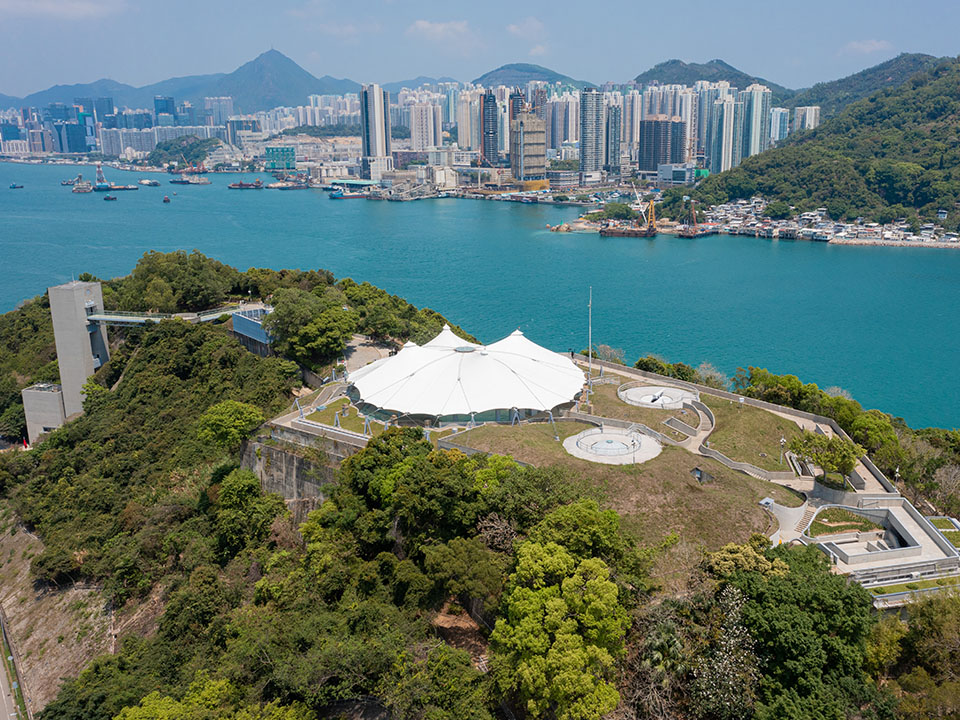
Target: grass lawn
(607, 404)
(655, 498)
(353, 421)
(749, 434)
(916, 585)
(953, 536)
(837, 520)
(942, 523)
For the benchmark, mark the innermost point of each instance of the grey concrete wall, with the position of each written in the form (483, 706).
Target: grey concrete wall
(76, 344)
(43, 408)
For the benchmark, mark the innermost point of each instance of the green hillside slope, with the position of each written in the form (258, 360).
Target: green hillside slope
(893, 154)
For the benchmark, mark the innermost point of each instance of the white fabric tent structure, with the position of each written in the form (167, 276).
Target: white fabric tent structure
(450, 376)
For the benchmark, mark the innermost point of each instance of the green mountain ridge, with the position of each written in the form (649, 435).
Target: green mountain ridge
(835, 95)
(522, 73)
(893, 154)
(679, 72)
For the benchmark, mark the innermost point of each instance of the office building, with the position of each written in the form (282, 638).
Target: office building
(611, 154)
(779, 124)
(489, 129)
(218, 109)
(515, 103)
(591, 131)
(806, 117)
(726, 135)
(163, 105)
(756, 119)
(528, 148)
(102, 108)
(662, 140)
(375, 132)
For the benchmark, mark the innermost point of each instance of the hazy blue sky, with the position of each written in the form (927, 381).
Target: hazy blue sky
(46, 42)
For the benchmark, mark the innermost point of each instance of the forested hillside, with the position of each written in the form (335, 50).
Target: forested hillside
(896, 153)
(834, 96)
(315, 316)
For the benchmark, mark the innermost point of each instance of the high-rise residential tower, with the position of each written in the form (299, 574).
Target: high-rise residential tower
(611, 153)
(806, 117)
(756, 119)
(489, 129)
(591, 130)
(779, 124)
(375, 132)
(726, 134)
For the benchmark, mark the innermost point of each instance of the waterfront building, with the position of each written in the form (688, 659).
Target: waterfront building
(756, 119)
(806, 117)
(726, 135)
(779, 124)
(591, 131)
(662, 140)
(611, 154)
(375, 132)
(528, 148)
(684, 173)
(489, 129)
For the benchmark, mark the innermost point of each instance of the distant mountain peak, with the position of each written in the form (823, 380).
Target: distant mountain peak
(680, 72)
(522, 73)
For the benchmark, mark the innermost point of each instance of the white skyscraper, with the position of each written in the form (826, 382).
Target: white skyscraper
(726, 133)
(779, 124)
(756, 119)
(591, 130)
(425, 126)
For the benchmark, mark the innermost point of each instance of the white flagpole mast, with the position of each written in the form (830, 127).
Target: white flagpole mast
(590, 337)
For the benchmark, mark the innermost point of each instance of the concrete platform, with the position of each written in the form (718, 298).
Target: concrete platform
(660, 397)
(612, 446)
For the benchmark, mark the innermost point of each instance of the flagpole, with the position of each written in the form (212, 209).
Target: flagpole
(590, 337)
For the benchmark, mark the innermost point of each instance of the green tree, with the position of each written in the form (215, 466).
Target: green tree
(442, 685)
(244, 513)
(228, 423)
(561, 631)
(778, 210)
(830, 453)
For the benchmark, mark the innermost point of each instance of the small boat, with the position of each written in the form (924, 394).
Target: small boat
(166, 198)
(241, 185)
(83, 186)
(184, 180)
(71, 181)
(109, 197)
(147, 182)
(345, 195)
(14, 186)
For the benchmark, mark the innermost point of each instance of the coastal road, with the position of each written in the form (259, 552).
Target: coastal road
(6, 695)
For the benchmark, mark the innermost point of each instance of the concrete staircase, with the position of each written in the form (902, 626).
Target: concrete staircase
(808, 514)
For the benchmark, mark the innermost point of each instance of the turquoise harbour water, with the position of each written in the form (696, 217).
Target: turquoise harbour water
(878, 322)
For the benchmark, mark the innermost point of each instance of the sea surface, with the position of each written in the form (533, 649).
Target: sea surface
(878, 322)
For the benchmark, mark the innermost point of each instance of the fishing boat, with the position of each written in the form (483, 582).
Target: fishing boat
(14, 186)
(166, 198)
(109, 197)
(148, 182)
(241, 185)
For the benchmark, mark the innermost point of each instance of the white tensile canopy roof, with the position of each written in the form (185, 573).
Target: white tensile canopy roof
(450, 376)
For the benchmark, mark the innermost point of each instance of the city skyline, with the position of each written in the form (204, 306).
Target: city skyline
(389, 41)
